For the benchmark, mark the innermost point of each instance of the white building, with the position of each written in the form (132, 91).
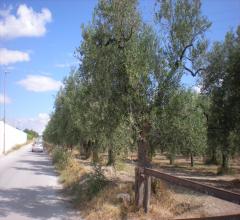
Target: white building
(13, 137)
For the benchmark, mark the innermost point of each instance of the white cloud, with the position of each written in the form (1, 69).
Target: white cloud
(196, 89)
(38, 83)
(12, 56)
(37, 123)
(7, 99)
(26, 22)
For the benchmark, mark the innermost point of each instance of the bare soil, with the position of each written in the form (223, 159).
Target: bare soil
(207, 174)
(170, 201)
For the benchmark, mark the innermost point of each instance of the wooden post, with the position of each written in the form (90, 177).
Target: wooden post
(139, 187)
(147, 192)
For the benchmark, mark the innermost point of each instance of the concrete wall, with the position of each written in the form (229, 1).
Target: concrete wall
(13, 136)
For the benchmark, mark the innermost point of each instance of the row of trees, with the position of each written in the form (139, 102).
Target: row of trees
(221, 83)
(31, 134)
(128, 85)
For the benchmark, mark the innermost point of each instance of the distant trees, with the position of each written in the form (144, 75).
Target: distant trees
(128, 86)
(31, 133)
(181, 128)
(221, 82)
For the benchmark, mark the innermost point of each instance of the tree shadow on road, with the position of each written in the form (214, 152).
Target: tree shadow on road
(39, 201)
(41, 166)
(35, 203)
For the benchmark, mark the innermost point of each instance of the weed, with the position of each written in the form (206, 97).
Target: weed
(97, 181)
(60, 158)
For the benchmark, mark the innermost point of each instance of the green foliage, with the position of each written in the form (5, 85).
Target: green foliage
(181, 126)
(91, 185)
(60, 157)
(182, 28)
(96, 182)
(31, 134)
(129, 83)
(221, 83)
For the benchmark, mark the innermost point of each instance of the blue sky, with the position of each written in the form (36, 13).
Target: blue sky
(45, 51)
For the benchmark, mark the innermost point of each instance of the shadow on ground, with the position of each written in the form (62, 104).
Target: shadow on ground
(40, 201)
(35, 203)
(41, 166)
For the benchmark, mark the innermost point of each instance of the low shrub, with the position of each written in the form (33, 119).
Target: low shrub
(60, 157)
(96, 181)
(71, 174)
(89, 186)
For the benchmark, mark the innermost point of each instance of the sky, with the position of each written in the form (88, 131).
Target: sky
(37, 43)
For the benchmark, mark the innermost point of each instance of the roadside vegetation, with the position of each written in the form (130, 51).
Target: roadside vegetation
(105, 192)
(31, 134)
(127, 86)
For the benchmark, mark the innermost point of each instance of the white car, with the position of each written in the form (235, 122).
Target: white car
(37, 146)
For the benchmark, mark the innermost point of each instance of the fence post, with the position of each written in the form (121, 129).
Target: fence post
(139, 187)
(147, 192)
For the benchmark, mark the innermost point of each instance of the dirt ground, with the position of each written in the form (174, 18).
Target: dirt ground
(189, 203)
(172, 201)
(201, 173)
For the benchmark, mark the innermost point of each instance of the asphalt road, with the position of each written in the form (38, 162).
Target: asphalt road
(29, 188)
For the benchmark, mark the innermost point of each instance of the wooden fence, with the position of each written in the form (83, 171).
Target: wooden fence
(143, 189)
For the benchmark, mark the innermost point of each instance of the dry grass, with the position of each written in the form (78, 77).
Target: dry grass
(167, 201)
(72, 173)
(105, 204)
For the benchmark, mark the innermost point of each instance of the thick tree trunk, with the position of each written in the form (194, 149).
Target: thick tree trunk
(192, 160)
(143, 155)
(143, 182)
(144, 151)
(87, 149)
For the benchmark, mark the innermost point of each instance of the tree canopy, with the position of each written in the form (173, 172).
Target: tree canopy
(128, 85)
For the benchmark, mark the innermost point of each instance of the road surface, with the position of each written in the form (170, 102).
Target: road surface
(29, 188)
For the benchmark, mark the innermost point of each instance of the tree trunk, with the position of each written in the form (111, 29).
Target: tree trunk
(192, 160)
(95, 151)
(225, 161)
(87, 149)
(144, 151)
(95, 156)
(143, 154)
(171, 159)
(213, 159)
(111, 157)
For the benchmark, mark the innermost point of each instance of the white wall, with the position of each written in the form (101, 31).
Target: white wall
(13, 137)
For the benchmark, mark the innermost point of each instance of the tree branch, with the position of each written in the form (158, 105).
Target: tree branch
(184, 50)
(192, 72)
(182, 55)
